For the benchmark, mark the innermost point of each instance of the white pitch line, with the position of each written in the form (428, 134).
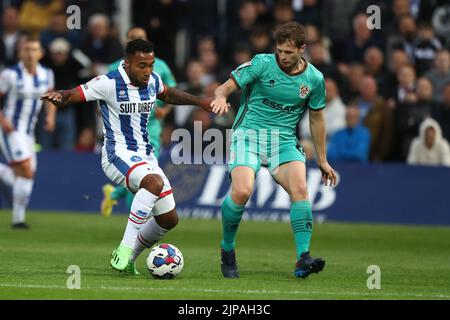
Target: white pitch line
(374, 294)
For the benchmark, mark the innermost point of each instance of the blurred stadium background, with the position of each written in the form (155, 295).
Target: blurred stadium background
(397, 76)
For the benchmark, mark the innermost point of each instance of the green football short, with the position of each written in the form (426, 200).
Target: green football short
(250, 153)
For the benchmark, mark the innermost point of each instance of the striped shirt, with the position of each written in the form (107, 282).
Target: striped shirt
(125, 110)
(22, 92)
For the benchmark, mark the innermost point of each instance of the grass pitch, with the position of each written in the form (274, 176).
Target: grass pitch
(414, 261)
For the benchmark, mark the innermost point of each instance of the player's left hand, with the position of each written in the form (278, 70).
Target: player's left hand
(329, 176)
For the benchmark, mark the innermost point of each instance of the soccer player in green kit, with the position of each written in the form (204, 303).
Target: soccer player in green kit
(277, 89)
(111, 194)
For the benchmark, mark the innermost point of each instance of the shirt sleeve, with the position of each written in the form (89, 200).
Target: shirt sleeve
(95, 89)
(317, 99)
(160, 87)
(248, 71)
(5, 81)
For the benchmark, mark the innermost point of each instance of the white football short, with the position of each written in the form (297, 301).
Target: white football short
(128, 168)
(17, 147)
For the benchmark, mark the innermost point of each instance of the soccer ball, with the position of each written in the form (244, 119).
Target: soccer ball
(165, 261)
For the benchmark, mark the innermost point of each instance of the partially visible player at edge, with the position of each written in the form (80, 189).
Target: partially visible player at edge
(277, 89)
(112, 194)
(126, 97)
(22, 85)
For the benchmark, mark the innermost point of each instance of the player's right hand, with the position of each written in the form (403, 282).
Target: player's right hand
(329, 176)
(54, 97)
(220, 106)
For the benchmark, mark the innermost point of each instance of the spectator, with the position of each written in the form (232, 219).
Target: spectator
(334, 112)
(378, 118)
(210, 61)
(162, 19)
(317, 56)
(209, 58)
(442, 112)
(352, 80)
(58, 29)
(99, 45)
(400, 8)
(35, 15)
(197, 80)
(440, 75)
(374, 66)
(66, 69)
(248, 15)
(409, 116)
(260, 40)
(405, 39)
(308, 12)
(398, 59)
(425, 48)
(283, 13)
(335, 23)
(313, 36)
(429, 148)
(9, 36)
(362, 39)
(241, 53)
(406, 88)
(351, 144)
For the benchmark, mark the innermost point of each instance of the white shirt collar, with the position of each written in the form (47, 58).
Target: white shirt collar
(123, 73)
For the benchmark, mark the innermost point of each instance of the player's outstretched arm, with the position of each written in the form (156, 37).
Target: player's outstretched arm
(318, 133)
(221, 95)
(178, 97)
(63, 98)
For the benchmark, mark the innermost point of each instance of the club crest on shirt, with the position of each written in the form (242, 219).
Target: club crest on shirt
(303, 91)
(151, 89)
(136, 158)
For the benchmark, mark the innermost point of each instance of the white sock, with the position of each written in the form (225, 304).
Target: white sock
(150, 234)
(6, 175)
(21, 196)
(141, 207)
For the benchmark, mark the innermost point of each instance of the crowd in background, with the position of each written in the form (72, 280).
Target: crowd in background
(388, 89)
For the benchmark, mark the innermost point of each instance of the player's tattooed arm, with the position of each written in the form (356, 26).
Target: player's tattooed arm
(178, 97)
(63, 98)
(318, 133)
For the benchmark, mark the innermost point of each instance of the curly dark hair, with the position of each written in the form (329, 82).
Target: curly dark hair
(138, 45)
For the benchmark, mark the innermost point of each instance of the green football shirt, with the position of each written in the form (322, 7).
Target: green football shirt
(272, 99)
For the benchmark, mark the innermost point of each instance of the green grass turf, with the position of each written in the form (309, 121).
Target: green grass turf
(414, 261)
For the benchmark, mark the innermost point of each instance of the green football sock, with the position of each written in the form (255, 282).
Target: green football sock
(301, 223)
(119, 192)
(231, 216)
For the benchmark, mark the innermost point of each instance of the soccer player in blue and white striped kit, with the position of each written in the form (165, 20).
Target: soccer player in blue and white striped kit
(126, 97)
(21, 87)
